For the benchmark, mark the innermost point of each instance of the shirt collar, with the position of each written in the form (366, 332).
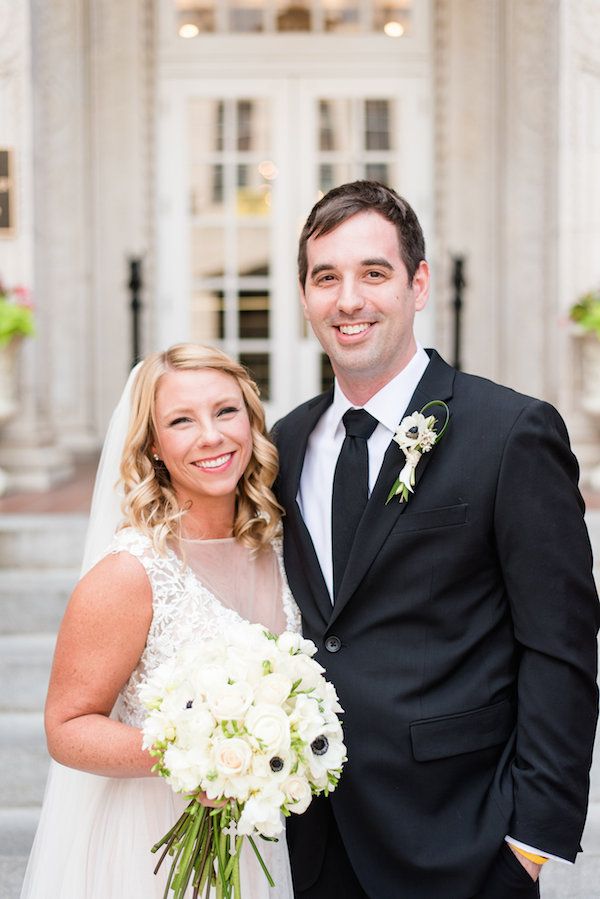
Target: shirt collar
(389, 403)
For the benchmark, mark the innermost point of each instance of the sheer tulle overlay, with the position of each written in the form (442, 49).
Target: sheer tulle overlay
(95, 833)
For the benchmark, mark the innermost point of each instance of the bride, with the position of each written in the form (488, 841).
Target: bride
(195, 550)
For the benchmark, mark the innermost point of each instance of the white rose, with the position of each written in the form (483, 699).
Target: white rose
(269, 726)
(230, 702)
(298, 793)
(232, 756)
(273, 688)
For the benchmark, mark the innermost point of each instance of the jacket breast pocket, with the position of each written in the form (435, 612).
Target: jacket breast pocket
(448, 735)
(448, 516)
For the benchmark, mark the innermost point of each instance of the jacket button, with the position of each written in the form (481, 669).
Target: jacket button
(333, 644)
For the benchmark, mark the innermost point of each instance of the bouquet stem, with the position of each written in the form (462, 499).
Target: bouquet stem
(199, 847)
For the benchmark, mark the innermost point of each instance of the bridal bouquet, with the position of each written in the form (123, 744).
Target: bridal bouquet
(249, 719)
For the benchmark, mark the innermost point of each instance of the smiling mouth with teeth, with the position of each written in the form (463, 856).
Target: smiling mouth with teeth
(354, 329)
(214, 463)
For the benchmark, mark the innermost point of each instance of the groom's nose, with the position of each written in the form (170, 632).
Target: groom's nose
(349, 298)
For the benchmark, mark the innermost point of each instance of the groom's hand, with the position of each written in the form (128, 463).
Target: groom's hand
(532, 868)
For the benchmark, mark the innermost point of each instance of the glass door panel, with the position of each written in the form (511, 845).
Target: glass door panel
(231, 183)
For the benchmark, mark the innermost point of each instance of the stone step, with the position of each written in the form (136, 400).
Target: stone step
(24, 760)
(25, 662)
(42, 541)
(34, 600)
(17, 829)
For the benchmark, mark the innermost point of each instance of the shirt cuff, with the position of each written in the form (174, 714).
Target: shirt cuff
(535, 851)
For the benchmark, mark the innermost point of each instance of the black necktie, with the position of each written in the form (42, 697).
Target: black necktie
(350, 488)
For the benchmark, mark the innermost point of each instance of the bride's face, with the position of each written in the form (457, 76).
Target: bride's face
(203, 433)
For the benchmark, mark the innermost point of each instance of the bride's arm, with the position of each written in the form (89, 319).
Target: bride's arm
(99, 644)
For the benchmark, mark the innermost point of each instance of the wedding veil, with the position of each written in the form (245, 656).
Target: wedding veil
(71, 796)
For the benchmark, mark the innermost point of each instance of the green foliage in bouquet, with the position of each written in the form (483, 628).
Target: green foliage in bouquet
(16, 314)
(586, 312)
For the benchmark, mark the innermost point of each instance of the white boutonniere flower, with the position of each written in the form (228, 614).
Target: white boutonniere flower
(415, 435)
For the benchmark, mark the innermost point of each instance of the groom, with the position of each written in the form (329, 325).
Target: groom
(459, 627)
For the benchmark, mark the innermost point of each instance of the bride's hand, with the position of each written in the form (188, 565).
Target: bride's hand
(203, 799)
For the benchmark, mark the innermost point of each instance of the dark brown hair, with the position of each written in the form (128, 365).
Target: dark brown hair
(341, 203)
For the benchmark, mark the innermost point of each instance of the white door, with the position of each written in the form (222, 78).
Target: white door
(241, 160)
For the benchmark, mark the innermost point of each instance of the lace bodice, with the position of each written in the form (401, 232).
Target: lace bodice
(183, 608)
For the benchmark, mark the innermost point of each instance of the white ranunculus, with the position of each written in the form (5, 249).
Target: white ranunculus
(273, 688)
(297, 793)
(269, 726)
(230, 702)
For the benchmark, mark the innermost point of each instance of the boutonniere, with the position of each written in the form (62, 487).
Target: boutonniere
(415, 435)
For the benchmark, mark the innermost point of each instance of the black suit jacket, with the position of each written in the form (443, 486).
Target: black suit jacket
(467, 623)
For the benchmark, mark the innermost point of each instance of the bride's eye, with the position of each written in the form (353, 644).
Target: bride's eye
(177, 421)
(227, 410)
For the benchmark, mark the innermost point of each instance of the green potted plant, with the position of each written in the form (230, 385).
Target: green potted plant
(16, 314)
(586, 312)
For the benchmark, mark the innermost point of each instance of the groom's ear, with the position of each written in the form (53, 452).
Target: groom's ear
(420, 285)
(303, 300)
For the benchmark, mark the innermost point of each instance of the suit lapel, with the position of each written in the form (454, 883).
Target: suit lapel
(295, 522)
(379, 518)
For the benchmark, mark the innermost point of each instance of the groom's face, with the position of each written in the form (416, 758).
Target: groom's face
(359, 302)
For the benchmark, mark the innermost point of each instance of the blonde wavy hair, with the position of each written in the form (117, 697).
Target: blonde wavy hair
(150, 503)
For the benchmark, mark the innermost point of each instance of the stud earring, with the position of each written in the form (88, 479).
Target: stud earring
(156, 457)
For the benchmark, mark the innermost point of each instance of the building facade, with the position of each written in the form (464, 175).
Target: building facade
(194, 136)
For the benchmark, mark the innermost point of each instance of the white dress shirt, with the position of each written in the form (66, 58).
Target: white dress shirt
(325, 443)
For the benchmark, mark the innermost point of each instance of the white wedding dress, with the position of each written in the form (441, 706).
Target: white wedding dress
(95, 833)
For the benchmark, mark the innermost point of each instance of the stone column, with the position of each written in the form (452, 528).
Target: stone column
(517, 186)
(122, 138)
(87, 70)
(578, 233)
(27, 451)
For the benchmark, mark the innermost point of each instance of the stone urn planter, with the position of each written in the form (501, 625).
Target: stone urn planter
(8, 378)
(8, 391)
(590, 374)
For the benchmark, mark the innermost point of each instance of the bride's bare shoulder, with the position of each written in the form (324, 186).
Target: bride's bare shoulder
(117, 579)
